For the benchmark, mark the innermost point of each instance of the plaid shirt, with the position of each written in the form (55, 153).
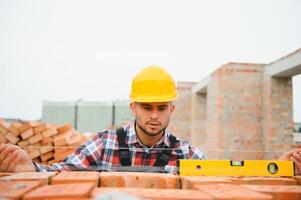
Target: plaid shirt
(101, 153)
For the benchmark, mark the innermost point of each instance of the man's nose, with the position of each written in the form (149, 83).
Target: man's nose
(154, 114)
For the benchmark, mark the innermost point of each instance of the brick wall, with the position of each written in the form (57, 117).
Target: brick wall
(199, 119)
(180, 124)
(235, 111)
(278, 115)
(244, 111)
(127, 185)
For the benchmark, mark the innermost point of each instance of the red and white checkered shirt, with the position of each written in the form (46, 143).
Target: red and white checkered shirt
(101, 153)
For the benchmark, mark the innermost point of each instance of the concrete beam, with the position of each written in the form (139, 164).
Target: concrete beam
(201, 86)
(287, 66)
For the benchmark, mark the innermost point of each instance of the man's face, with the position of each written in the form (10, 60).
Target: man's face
(152, 118)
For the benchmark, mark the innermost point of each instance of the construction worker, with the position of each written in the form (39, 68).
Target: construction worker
(142, 145)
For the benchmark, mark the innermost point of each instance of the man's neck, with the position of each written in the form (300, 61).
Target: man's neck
(146, 139)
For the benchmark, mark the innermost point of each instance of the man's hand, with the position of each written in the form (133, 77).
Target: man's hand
(14, 159)
(295, 156)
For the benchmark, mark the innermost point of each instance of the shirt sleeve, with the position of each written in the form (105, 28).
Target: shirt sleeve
(83, 157)
(196, 153)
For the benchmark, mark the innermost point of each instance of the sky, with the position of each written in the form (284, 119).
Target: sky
(69, 50)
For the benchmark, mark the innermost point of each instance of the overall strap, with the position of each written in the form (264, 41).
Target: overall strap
(164, 157)
(123, 152)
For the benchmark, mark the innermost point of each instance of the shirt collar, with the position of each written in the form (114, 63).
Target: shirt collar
(132, 137)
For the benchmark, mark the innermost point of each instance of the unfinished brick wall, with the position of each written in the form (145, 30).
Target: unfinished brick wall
(234, 114)
(278, 116)
(242, 111)
(180, 124)
(199, 116)
(108, 185)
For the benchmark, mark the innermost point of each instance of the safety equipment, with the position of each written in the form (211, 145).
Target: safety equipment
(236, 168)
(153, 84)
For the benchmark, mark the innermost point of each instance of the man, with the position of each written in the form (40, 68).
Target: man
(143, 144)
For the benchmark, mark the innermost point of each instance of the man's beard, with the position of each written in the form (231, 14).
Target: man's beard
(151, 134)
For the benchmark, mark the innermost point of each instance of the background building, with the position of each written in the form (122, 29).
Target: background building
(241, 110)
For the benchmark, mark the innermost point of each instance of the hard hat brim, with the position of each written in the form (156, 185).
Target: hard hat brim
(167, 98)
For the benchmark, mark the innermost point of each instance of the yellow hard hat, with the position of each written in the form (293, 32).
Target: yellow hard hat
(153, 84)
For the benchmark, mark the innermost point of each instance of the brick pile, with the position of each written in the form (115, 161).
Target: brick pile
(45, 143)
(93, 185)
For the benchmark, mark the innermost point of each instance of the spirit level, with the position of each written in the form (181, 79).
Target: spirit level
(235, 168)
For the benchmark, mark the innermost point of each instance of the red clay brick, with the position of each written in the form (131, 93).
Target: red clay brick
(61, 149)
(155, 194)
(76, 177)
(62, 155)
(62, 139)
(137, 179)
(33, 147)
(83, 139)
(65, 191)
(34, 154)
(5, 174)
(44, 177)
(187, 182)
(47, 141)
(35, 138)
(12, 138)
(65, 128)
(265, 181)
(16, 189)
(24, 127)
(298, 179)
(45, 149)
(228, 191)
(27, 134)
(3, 139)
(279, 192)
(28, 125)
(23, 143)
(3, 127)
(14, 128)
(49, 132)
(41, 128)
(74, 141)
(46, 156)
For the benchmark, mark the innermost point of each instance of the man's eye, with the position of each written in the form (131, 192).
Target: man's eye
(161, 108)
(147, 108)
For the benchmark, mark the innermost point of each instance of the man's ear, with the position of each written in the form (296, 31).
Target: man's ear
(133, 108)
(173, 108)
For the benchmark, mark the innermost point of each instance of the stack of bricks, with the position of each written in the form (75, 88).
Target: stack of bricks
(139, 185)
(44, 143)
